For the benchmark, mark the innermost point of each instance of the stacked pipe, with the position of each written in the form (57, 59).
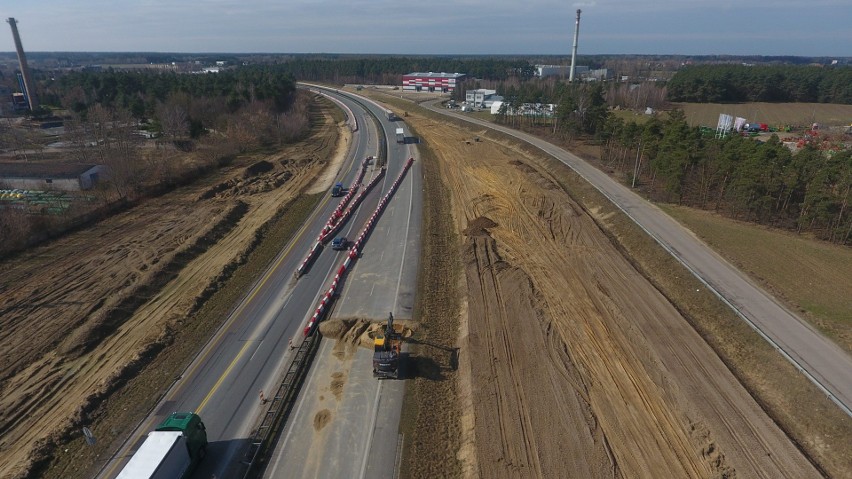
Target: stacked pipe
(327, 297)
(333, 221)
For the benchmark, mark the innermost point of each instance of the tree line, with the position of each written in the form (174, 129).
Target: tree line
(781, 83)
(761, 182)
(389, 70)
(140, 91)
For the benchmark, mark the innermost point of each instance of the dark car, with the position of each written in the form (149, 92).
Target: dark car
(339, 243)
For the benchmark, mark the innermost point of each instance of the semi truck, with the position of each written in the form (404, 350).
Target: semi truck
(171, 451)
(386, 352)
(400, 135)
(389, 115)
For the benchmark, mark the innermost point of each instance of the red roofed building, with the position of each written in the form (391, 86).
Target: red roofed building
(431, 82)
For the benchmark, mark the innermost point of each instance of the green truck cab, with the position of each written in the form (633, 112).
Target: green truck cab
(173, 450)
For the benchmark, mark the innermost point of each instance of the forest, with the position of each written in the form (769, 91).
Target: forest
(200, 123)
(389, 70)
(776, 83)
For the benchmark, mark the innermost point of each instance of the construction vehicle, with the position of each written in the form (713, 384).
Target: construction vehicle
(172, 450)
(400, 135)
(386, 353)
(337, 190)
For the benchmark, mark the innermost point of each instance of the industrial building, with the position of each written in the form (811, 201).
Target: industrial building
(50, 176)
(481, 98)
(431, 82)
(543, 71)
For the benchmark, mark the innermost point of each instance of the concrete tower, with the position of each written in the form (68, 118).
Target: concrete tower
(29, 92)
(574, 50)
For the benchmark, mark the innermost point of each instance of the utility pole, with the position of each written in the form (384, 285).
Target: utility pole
(638, 163)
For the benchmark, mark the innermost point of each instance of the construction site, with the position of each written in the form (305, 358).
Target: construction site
(559, 352)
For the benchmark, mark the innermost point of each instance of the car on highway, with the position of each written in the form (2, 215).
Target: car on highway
(339, 243)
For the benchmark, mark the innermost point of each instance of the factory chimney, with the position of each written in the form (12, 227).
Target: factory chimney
(574, 49)
(29, 93)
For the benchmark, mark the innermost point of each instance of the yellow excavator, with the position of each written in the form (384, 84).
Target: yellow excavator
(387, 349)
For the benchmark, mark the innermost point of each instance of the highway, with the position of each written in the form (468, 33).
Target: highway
(817, 357)
(360, 438)
(251, 350)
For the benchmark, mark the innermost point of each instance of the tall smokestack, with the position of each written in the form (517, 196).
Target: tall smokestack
(574, 50)
(29, 92)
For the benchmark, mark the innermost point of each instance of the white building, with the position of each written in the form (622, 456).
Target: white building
(482, 98)
(543, 71)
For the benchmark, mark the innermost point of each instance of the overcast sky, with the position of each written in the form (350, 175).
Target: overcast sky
(694, 27)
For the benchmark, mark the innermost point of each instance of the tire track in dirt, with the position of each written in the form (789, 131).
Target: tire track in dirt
(61, 366)
(656, 398)
(528, 398)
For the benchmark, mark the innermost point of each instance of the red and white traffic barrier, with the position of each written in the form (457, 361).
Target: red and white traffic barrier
(334, 221)
(329, 232)
(319, 313)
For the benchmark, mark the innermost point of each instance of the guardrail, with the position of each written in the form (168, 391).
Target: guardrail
(280, 404)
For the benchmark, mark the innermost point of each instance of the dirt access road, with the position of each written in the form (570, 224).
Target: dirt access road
(572, 363)
(79, 314)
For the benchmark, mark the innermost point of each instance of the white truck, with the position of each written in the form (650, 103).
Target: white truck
(389, 115)
(172, 451)
(400, 135)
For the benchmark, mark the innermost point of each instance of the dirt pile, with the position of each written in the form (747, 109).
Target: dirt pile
(360, 332)
(579, 367)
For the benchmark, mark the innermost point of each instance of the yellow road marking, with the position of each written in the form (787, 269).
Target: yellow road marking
(222, 377)
(246, 302)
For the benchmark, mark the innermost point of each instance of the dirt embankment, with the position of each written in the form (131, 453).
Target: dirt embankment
(578, 366)
(82, 315)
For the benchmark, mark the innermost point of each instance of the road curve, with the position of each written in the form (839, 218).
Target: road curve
(817, 357)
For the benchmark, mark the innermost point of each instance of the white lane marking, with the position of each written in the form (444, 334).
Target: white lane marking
(373, 417)
(405, 244)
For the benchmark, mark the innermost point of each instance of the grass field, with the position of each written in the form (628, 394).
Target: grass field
(812, 276)
(794, 114)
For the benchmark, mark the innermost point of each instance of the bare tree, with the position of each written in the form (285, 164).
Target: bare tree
(173, 119)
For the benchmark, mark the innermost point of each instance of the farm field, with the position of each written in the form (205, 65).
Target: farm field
(811, 276)
(793, 114)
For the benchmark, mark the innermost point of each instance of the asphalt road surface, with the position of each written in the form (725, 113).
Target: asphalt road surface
(822, 361)
(345, 422)
(251, 350)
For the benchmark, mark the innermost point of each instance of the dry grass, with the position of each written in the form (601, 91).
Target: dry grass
(812, 276)
(797, 114)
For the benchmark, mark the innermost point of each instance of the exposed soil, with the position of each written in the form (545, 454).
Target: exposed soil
(321, 419)
(579, 367)
(82, 314)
